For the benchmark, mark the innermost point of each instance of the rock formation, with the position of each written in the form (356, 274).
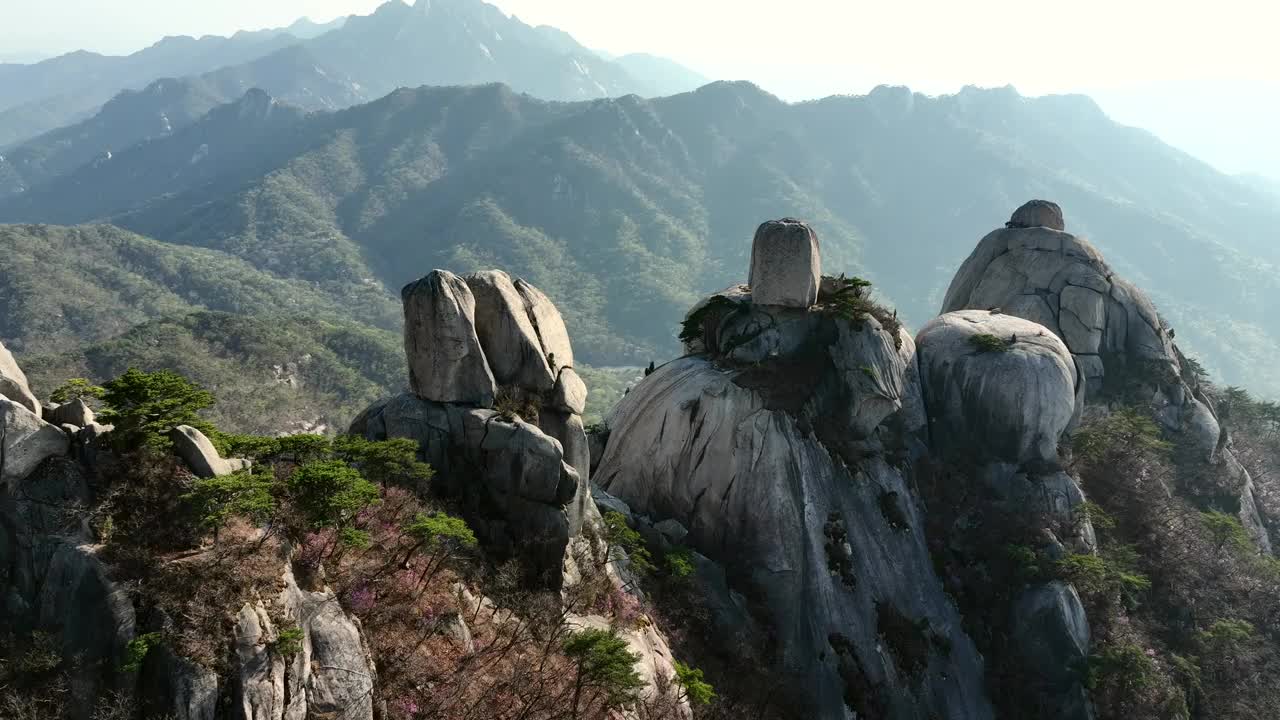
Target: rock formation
(198, 452)
(1032, 269)
(76, 413)
(998, 387)
(330, 676)
(513, 443)
(786, 264)
(446, 362)
(25, 441)
(13, 383)
(779, 445)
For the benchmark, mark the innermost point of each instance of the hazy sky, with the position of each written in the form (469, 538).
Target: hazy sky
(807, 48)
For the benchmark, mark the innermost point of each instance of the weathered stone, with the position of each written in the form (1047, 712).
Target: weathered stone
(25, 441)
(671, 530)
(549, 325)
(174, 687)
(1038, 213)
(91, 441)
(734, 296)
(758, 492)
(446, 360)
(454, 627)
(1011, 401)
(333, 676)
(1051, 637)
(568, 430)
(519, 474)
(91, 616)
(786, 264)
(259, 687)
(13, 383)
(607, 503)
(198, 452)
(871, 369)
(506, 332)
(570, 393)
(76, 413)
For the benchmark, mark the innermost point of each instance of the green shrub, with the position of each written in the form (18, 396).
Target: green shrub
(987, 343)
(680, 563)
(439, 529)
(851, 300)
(138, 649)
(1024, 562)
(1103, 576)
(1227, 531)
(42, 654)
(329, 493)
(1223, 636)
(385, 462)
(289, 642)
(693, 688)
(1127, 431)
(77, 389)
(304, 447)
(618, 534)
(256, 447)
(216, 499)
(1122, 667)
(1095, 515)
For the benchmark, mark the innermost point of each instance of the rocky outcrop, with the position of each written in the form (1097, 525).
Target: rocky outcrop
(326, 672)
(778, 446)
(76, 413)
(446, 362)
(507, 334)
(25, 441)
(1052, 638)
(786, 264)
(1001, 393)
(54, 582)
(13, 383)
(1032, 269)
(522, 466)
(198, 452)
(998, 387)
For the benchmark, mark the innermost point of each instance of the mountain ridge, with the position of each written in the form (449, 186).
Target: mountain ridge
(631, 207)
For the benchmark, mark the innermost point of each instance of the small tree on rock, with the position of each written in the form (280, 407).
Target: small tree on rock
(606, 669)
(144, 407)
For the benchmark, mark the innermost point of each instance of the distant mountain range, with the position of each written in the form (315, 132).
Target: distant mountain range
(625, 210)
(356, 59)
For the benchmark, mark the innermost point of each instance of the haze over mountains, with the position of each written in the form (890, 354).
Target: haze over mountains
(430, 42)
(624, 209)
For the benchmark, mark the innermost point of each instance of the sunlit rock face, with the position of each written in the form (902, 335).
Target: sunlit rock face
(496, 409)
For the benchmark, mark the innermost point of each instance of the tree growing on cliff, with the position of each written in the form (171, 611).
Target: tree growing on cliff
(145, 406)
(605, 670)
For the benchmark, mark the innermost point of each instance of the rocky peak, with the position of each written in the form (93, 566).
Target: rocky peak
(1032, 269)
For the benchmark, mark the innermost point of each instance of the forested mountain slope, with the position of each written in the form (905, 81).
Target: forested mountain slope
(629, 208)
